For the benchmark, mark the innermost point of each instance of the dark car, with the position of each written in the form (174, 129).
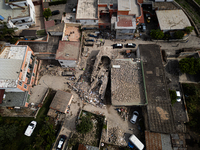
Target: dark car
(61, 142)
(93, 35)
(132, 45)
(55, 12)
(89, 40)
(117, 45)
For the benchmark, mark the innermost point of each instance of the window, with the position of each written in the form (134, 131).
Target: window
(34, 74)
(30, 66)
(32, 56)
(20, 83)
(25, 86)
(28, 75)
(61, 62)
(63, 65)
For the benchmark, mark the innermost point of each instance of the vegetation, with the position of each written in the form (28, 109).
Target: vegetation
(179, 34)
(190, 65)
(7, 32)
(58, 2)
(189, 29)
(192, 98)
(156, 34)
(173, 96)
(47, 13)
(44, 133)
(85, 125)
(41, 32)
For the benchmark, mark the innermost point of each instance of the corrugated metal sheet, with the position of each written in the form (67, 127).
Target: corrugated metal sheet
(153, 141)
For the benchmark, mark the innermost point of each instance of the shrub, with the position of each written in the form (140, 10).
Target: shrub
(157, 34)
(189, 29)
(179, 34)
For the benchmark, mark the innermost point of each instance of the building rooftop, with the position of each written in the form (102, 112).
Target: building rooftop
(108, 2)
(124, 5)
(56, 28)
(68, 50)
(159, 109)
(60, 101)
(125, 22)
(157, 141)
(172, 19)
(6, 11)
(87, 9)
(71, 33)
(17, 99)
(13, 52)
(31, 33)
(135, 8)
(127, 87)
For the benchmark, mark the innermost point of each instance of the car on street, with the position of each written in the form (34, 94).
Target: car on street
(55, 12)
(131, 45)
(148, 18)
(142, 27)
(117, 46)
(178, 96)
(30, 128)
(61, 142)
(89, 40)
(134, 117)
(95, 35)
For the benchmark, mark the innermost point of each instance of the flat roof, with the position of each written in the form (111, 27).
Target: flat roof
(125, 22)
(7, 11)
(60, 101)
(124, 5)
(71, 33)
(159, 110)
(87, 9)
(135, 8)
(172, 19)
(13, 52)
(17, 99)
(127, 87)
(68, 50)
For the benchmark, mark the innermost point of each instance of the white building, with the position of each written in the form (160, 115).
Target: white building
(17, 13)
(87, 12)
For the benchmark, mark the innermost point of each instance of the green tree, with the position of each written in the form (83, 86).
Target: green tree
(190, 65)
(173, 96)
(189, 29)
(7, 133)
(85, 125)
(156, 34)
(179, 34)
(5, 31)
(47, 13)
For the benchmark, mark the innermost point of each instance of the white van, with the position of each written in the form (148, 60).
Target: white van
(136, 142)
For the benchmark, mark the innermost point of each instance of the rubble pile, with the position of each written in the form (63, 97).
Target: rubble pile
(127, 81)
(115, 136)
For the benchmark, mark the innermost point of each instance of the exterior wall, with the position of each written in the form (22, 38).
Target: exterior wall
(89, 22)
(13, 90)
(125, 34)
(122, 12)
(67, 63)
(27, 84)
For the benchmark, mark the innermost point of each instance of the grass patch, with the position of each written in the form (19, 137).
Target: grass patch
(20, 141)
(41, 32)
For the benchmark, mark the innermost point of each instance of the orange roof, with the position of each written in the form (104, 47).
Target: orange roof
(125, 21)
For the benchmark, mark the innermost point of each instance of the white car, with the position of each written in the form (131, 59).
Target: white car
(178, 94)
(134, 118)
(30, 128)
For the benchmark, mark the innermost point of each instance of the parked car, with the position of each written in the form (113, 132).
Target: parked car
(148, 18)
(117, 45)
(30, 128)
(55, 12)
(61, 142)
(89, 40)
(134, 117)
(178, 94)
(93, 35)
(132, 45)
(143, 27)
(88, 43)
